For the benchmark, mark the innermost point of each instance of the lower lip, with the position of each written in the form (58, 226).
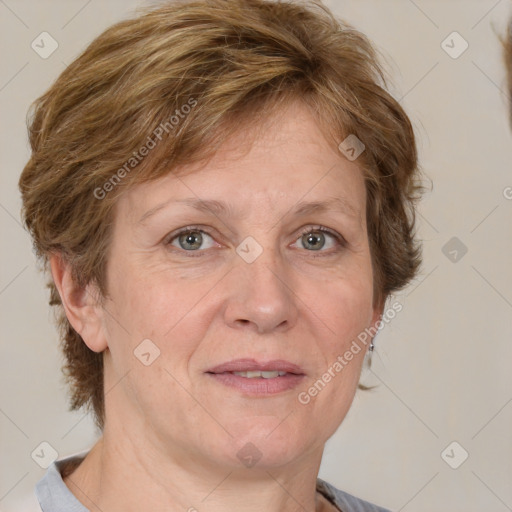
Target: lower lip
(259, 385)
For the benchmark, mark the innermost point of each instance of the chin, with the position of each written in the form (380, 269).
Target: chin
(265, 442)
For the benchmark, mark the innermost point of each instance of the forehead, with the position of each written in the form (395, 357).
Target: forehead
(283, 162)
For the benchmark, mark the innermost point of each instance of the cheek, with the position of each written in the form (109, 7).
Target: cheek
(346, 305)
(349, 315)
(346, 309)
(143, 296)
(151, 306)
(351, 307)
(155, 304)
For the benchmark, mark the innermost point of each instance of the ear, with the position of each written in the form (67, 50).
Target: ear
(80, 304)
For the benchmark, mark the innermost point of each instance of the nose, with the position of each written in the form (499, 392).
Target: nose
(260, 296)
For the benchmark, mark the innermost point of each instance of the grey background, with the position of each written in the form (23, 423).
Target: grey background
(442, 366)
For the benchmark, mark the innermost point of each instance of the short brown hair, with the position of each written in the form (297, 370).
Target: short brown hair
(229, 60)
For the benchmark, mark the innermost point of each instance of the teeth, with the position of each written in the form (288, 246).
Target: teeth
(258, 374)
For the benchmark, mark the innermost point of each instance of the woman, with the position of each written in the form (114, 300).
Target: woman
(223, 192)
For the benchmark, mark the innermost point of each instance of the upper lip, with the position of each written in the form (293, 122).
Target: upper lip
(245, 365)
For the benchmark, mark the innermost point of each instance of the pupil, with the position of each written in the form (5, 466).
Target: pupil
(313, 240)
(191, 237)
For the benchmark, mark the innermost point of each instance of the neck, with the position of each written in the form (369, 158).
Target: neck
(119, 475)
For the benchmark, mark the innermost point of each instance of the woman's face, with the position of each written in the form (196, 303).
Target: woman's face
(253, 284)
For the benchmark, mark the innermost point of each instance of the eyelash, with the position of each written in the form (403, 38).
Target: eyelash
(342, 243)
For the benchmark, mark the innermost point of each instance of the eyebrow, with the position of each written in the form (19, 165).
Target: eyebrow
(221, 209)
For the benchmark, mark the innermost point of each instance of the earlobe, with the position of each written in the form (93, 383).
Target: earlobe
(80, 304)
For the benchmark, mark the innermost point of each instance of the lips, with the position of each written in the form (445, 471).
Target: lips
(251, 365)
(256, 378)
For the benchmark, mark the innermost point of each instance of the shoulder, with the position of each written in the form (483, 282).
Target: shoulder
(346, 502)
(51, 492)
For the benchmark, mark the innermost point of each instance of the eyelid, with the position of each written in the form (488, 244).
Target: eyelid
(175, 234)
(340, 239)
(307, 229)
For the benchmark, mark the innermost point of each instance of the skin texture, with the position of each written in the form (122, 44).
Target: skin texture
(172, 434)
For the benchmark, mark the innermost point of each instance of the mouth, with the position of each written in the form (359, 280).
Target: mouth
(254, 378)
(251, 368)
(255, 374)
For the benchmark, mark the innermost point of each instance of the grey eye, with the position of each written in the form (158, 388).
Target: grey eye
(190, 240)
(314, 240)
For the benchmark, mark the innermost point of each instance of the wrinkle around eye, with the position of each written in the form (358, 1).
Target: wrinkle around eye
(338, 241)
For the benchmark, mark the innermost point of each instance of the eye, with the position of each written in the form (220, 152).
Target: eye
(189, 239)
(316, 239)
